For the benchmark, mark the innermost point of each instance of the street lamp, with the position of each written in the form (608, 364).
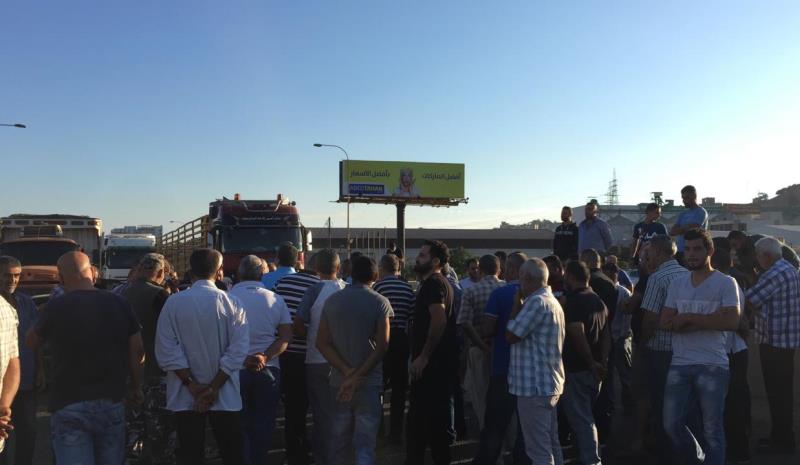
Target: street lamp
(348, 196)
(14, 125)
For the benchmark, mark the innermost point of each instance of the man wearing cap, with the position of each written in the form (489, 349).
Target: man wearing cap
(150, 426)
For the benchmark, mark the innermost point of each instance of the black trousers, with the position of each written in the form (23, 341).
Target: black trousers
(430, 416)
(21, 442)
(395, 375)
(191, 429)
(777, 367)
(737, 408)
(295, 403)
(500, 408)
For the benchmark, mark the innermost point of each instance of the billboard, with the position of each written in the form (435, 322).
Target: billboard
(400, 181)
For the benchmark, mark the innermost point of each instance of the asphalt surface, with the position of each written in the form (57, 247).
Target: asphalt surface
(464, 450)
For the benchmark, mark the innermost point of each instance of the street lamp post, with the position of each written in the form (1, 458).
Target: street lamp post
(348, 195)
(14, 125)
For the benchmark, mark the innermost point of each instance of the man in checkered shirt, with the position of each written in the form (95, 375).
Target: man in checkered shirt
(656, 343)
(536, 332)
(9, 366)
(470, 318)
(776, 299)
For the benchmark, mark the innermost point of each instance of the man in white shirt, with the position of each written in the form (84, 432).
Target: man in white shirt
(202, 341)
(9, 366)
(701, 308)
(260, 379)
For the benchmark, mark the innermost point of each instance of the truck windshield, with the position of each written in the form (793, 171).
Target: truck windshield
(37, 253)
(125, 258)
(250, 240)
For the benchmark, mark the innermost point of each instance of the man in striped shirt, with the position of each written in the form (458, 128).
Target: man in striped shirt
(292, 287)
(395, 363)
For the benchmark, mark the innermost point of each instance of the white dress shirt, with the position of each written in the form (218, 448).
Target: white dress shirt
(265, 311)
(205, 330)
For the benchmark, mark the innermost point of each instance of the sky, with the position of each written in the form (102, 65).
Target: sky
(144, 112)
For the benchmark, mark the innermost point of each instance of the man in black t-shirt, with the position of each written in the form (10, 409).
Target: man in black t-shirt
(434, 359)
(565, 239)
(586, 349)
(647, 229)
(96, 343)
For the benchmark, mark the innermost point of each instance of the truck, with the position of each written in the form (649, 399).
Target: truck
(37, 241)
(236, 228)
(120, 253)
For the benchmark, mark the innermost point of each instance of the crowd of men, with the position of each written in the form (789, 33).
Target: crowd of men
(543, 351)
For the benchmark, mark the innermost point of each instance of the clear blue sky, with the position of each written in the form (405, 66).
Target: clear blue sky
(143, 112)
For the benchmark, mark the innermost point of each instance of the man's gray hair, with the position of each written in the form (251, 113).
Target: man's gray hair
(663, 245)
(769, 246)
(7, 262)
(251, 268)
(535, 269)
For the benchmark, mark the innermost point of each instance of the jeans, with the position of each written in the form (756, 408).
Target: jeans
(777, 367)
(355, 424)
(737, 408)
(20, 444)
(580, 393)
(191, 428)
(476, 381)
(295, 403)
(260, 394)
(658, 363)
(319, 394)
(539, 419)
(706, 385)
(395, 375)
(89, 433)
(500, 409)
(430, 416)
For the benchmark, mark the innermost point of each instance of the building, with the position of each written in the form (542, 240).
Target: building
(476, 242)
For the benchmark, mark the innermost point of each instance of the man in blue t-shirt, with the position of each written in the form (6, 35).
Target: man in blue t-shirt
(500, 404)
(647, 229)
(694, 217)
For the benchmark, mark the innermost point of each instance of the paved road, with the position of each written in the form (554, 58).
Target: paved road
(464, 450)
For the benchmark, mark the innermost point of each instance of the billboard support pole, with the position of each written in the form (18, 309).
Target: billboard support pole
(401, 228)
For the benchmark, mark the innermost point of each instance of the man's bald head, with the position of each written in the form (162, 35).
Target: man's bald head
(75, 270)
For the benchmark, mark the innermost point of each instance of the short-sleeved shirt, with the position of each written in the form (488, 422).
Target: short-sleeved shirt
(707, 347)
(777, 292)
(499, 306)
(473, 300)
(655, 295)
(435, 290)
(270, 279)
(265, 311)
(696, 215)
(352, 315)
(537, 368)
(401, 297)
(88, 332)
(9, 347)
(584, 306)
(644, 231)
(606, 290)
(147, 299)
(310, 311)
(292, 288)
